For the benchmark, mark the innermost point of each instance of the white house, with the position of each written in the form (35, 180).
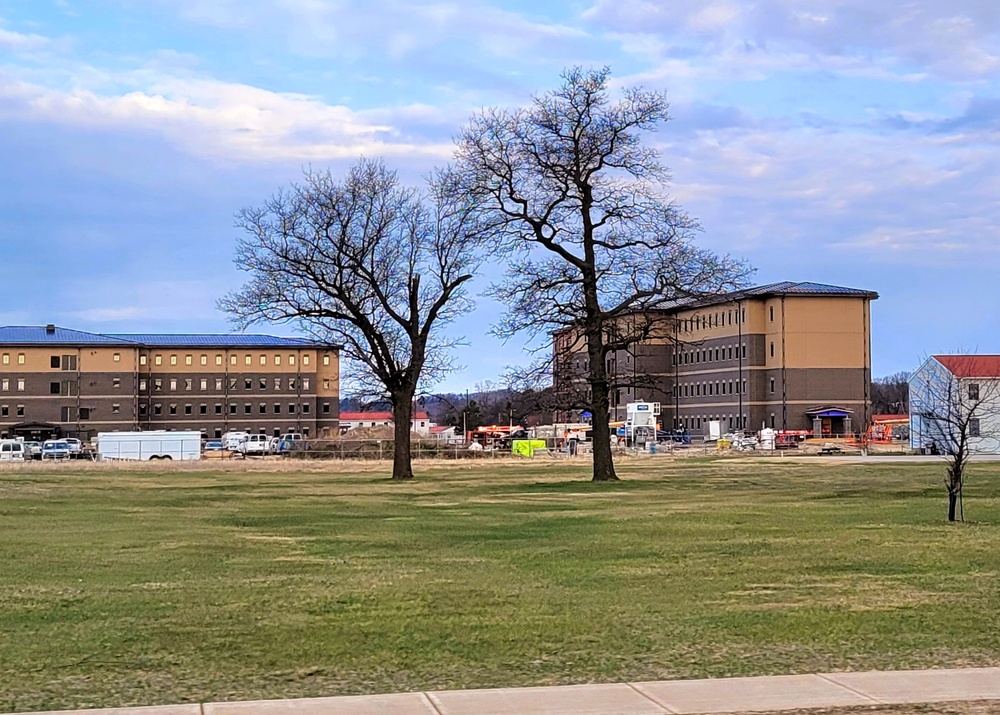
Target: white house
(420, 421)
(955, 404)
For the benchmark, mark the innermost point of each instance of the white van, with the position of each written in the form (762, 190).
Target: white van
(157, 444)
(12, 450)
(256, 444)
(233, 441)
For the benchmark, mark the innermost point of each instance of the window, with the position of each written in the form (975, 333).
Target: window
(142, 359)
(218, 408)
(291, 359)
(974, 427)
(262, 408)
(54, 362)
(326, 384)
(142, 409)
(20, 358)
(772, 349)
(157, 409)
(116, 382)
(277, 408)
(232, 383)
(84, 413)
(6, 358)
(20, 384)
(263, 383)
(232, 359)
(772, 385)
(116, 408)
(173, 409)
(204, 359)
(232, 408)
(5, 384)
(188, 409)
(247, 408)
(305, 431)
(305, 384)
(247, 383)
(305, 359)
(248, 360)
(277, 359)
(277, 383)
(291, 409)
(291, 383)
(158, 360)
(772, 313)
(974, 391)
(69, 362)
(188, 384)
(54, 388)
(326, 408)
(187, 359)
(20, 410)
(218, 432)
(218, 384)
(326, 359)
(157, 384)
(218, 359)
(263, 359)
(744, 348)
(173, 384)
(173, 359)
(203, 383)
(143, 384)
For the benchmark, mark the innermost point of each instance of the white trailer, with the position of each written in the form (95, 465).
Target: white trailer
(159, 444)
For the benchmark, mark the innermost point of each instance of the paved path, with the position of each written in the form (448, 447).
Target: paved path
(727, 695)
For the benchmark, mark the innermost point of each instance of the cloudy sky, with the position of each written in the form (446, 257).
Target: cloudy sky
(853, 142)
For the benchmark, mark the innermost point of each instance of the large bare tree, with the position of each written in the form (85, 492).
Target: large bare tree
(955, 412)
(367, 263)
(591, 239)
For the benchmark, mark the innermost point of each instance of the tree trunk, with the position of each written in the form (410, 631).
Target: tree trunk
(402, 413)
(952, 504)
(604, 466)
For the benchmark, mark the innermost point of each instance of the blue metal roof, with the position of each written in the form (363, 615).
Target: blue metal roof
(770, 289)
(38, 335)
(220, 340)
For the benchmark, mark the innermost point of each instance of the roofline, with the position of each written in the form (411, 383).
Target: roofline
(126, 340)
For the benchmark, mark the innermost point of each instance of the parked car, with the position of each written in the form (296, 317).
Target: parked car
(12, 451)
(75, 446)
(289, 441)
(32, 450)
(214, 445)
(56, 449)
(233, 440)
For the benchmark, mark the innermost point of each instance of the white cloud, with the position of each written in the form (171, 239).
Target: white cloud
(17, 42)
(954, 39)
(222, 120)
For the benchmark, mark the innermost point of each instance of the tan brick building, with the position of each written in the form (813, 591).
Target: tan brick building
(787, 355)
(57, 381)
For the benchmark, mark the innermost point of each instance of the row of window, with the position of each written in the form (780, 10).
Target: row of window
(713, 320)
(219, 408)
(726, 352)
(68, 362)
(706, 389)
(249, 383)
(729, 422)
(248, 359)
(69, 414)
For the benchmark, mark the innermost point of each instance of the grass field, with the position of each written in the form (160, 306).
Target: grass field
(144, 586)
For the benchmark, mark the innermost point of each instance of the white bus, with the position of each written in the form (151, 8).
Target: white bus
(159, 444)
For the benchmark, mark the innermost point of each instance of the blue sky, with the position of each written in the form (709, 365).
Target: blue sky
(839, 141)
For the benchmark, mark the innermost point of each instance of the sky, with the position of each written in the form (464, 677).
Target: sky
(849, 142)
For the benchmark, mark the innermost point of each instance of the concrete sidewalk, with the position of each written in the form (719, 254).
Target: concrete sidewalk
(727, 695)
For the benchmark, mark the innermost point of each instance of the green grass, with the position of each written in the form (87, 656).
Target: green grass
(142, 587)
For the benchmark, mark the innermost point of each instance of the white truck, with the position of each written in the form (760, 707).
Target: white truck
(159, 444)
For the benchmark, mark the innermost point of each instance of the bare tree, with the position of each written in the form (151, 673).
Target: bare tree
(955, 412)
(890, 394)
(369, 264)
(592, 242)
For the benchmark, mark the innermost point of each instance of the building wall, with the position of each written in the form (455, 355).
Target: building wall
(760, 363)
(125, 388)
